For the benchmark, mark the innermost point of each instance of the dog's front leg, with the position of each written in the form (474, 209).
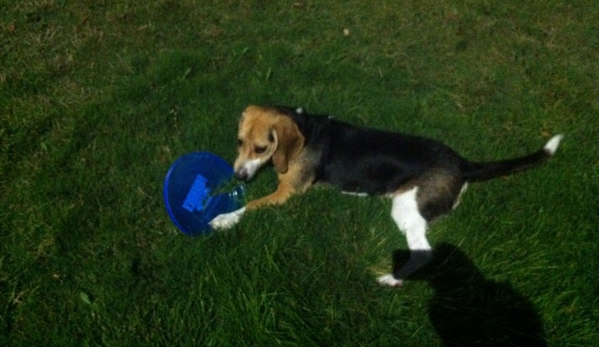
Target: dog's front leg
(228, 220)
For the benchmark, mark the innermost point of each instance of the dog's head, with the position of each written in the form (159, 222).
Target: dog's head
(266, 134)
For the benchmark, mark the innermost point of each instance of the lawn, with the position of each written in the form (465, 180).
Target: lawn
(98, 98)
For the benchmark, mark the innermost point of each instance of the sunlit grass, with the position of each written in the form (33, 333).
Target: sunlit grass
(97, 99)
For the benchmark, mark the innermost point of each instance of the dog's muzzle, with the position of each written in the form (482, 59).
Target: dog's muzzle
(242, 175)
(246, 171)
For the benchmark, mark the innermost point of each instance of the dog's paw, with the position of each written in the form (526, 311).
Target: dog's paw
(389, 280)
(226, 220)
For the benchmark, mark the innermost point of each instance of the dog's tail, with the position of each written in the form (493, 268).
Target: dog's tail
(477, 172)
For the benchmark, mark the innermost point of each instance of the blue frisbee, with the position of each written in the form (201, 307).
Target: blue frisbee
(197, 188)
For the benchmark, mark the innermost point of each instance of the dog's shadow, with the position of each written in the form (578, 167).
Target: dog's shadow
(469, 310)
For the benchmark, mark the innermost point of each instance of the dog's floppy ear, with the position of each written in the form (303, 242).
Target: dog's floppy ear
(290, 142)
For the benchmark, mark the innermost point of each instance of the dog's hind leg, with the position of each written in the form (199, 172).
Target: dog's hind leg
(407, 216)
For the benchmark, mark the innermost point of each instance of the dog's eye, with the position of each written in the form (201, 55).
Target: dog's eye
(259, 149)
(239, 143)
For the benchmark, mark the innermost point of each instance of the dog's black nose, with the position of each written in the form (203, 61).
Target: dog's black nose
(242, 175)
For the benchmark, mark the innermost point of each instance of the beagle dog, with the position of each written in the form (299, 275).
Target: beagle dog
(423, 177)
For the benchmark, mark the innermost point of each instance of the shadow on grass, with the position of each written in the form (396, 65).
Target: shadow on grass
(469, 310)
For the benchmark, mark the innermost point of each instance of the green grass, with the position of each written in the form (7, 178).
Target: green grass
(98, 98)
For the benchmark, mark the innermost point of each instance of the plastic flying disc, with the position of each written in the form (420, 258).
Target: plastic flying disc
(198, 188)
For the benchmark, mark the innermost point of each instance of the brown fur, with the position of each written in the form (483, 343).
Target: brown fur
(261, 127)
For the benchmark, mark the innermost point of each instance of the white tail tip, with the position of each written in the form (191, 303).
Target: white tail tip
(552, 144)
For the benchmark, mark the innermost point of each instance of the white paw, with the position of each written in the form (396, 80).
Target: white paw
(389, 280)
(226, 220)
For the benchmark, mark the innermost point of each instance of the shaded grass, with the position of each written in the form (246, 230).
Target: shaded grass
(98, 98)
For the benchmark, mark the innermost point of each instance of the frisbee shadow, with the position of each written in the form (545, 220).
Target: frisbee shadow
(470, 310)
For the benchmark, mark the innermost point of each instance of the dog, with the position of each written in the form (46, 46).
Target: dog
(423, 177)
